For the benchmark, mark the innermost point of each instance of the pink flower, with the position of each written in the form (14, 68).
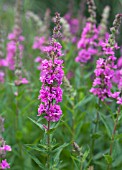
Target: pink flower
(39, 43)
(119, 100)
(2, 74)
(12, 48)
(87, 44)
(3, 63)
(24, 81)
(38, 59)
(119, 63)
(73, 22)
(6, 148)
(4, 164)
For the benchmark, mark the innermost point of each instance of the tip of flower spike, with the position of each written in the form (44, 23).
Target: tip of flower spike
(56, 31)
(119, 15)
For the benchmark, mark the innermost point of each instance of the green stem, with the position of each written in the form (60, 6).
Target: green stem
(17, 120)
(17, 110)
(48, 143)
(73, 124)
(95, 130)
(113, 135)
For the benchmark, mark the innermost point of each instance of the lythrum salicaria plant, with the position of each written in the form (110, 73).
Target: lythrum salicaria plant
(104, 72)
(50, 95)
(15, 47)
(51, 78)
(87, 44)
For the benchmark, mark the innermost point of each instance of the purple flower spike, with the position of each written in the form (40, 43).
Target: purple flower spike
(51, 77)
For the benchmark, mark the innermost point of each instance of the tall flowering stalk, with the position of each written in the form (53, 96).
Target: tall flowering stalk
(51, 78)
(15, 47)
(104, 72)
(3, 147)
(73, 26)
(3, 62)
(71, 22)
(87, 44)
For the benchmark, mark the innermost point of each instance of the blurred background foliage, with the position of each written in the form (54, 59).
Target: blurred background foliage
(39, 7)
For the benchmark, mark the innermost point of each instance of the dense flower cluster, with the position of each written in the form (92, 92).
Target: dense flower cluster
(118, 74)
(13, 38)
(87, 44)
(15, 47)
(105, 68)
(73, 22)
(3, 147)
(92, 36)
(51, 78)
(15, 54)
(104, 73)
(73, 26)
(3, 62)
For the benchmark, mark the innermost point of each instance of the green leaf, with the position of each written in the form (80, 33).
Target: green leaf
(35, 147)
(108, 158)
(58, 152)
(35, 159)
(85, 155)
(84, 101)
(109, 110)
(118, 136)
(75, 161)
(67, 126)
(107, 125)
(38, 124)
